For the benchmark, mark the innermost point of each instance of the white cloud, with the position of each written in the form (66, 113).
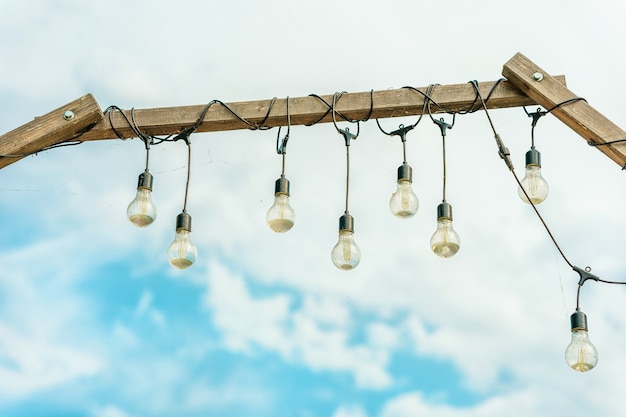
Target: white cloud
(350, 411)
(305, 335)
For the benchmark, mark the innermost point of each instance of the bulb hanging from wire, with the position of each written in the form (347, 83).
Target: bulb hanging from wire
(445, 242)
(346, 254)
(535, 185)
(404, 202)
(141, 211)
(581, 355)
(281, 217)
(182, 253)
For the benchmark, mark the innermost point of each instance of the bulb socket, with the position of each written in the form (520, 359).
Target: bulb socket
(405, 173)
(183, 222)
(145, 181)
(579, 321)
(281, 186)
(533, 157)
(444, 211)
(346, 222)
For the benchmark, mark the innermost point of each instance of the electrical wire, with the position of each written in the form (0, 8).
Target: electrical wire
(510, 165)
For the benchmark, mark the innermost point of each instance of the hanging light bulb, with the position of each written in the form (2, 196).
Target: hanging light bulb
(142, 211)
(182, 253)
(281, 217)
(346, 254)
(535, 185)
(581, 355)
(445, 242)
(404, 202)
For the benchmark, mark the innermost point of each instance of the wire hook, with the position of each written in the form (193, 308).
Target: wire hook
(281, 146)
(443, 126)
(344, 132)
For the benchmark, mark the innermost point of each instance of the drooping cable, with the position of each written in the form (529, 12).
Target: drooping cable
(506, 156)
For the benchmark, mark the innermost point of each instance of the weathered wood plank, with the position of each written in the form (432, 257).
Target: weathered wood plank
(306, 110)
(579, 115)
(50, 129)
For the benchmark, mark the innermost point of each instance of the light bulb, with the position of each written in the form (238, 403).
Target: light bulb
(534, 184)
(404, 202)
(142, 211)
(182, 253)
(281, 217)
(445, 242)
(581, 355)
(346, 254)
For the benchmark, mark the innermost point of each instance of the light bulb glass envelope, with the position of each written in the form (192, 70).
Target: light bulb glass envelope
(182, 253)
(535, 185)
(581, 355)
(281, 217)
(404, 202)
(141, 211)
(346, 254)
(445, 242)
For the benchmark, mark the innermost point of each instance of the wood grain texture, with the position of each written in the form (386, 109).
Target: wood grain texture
(50, 129)
(579, 115)
(307, 110)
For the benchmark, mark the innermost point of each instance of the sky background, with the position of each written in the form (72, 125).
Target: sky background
(95, 322)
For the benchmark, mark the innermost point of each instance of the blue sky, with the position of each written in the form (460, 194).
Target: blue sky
(94, 321)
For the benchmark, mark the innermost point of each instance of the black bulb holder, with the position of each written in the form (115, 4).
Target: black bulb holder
(533, 157)
(578, 321)
(145, 181)
(405, 173)
(444, 211)
(281, 186)
(346, 222)
(183, 221)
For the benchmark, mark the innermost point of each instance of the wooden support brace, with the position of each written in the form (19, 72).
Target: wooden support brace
(60, 125)
(548, 92)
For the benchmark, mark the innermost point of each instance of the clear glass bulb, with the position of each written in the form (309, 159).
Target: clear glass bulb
(445, 242)
(581, 355)
(182, 253)
(142, 211)
(280, 217)
(404, 202)
(534, 184)
(346, 254)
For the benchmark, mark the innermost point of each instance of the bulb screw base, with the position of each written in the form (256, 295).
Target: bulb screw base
(281, 186)
(444, 211)
(579, 321)
(346, 222)
(145, 181)
(533, 157)
(405, 173)
(183, 221)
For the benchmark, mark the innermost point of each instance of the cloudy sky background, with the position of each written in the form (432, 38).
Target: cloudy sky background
(94, 322)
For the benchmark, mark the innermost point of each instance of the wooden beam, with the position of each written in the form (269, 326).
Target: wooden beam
(307, 110)
(548, 92)
(60, 125)
(90, 124)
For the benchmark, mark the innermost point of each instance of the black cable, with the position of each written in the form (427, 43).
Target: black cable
(501, 147)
